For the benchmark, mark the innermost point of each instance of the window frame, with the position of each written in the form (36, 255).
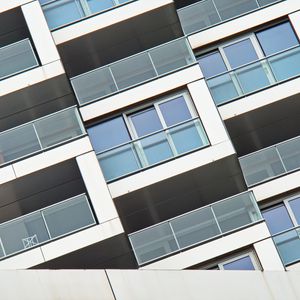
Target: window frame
(253, 257)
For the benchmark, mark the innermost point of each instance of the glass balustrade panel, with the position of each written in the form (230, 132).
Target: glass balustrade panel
(262, 165)
(236, 212)
(171, 56)
(153, 242)
(24, 233)
(267, 2)
(97, 6)
(17, 143)
(58, 128)
(68, 216)
(16, 58)
(195, 227)
(290, 154)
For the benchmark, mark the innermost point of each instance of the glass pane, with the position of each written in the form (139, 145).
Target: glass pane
(261, 166)
(118, 162)
(146, 122)
(196, 17)
(58, 128)
(68, 216)
(277, 38)
(286, 65)
(23, 233)
(133, 70)
(240, 53)
(277, 219)
(62, 12)
(244, 263)
(99, 5)
(16, 58)
(188, 136)
(153, 242)
(195, 227)
(236, 212)
(212, 64)
(223, 88)
(288, 245)
(295, 206)
(17, 143)
(108, 134)
(253, 77)
(93, 85)
(171, 56)
(154, 149)
(232, 8)
(266, 2)
(175, 111)
(290, 154)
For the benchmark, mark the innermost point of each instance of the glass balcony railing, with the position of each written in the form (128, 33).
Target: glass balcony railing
(132, 71)
(49, 223)
(271, 162)
(40, 134)
(195, 227)
(17, 58)
(63, 12)
(255, 76)
(152, 149)
(208, 13)
(288, 245)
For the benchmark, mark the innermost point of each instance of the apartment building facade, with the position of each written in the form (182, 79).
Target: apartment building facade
(150, 135)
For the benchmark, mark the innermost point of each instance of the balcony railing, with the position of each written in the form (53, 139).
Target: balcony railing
(288, 245)
(40, 134)
(17, 58)
(271, 162)
(132, 71)
(208, 13)
(255, 76)
(195, 227)
(49, 223)
(61, 12)
(152, 149)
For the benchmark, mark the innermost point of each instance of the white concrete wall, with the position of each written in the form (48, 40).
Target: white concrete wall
(7, 5)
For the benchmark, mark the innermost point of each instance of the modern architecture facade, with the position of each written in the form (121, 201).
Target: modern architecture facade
(150, 135)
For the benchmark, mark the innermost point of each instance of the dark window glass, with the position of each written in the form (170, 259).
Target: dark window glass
(108, 134)
(244, 263)
(240, 53)
(277, 219)
(212, 64)
(277, 38)
(146, 122)
(295, 206)
(175, 111)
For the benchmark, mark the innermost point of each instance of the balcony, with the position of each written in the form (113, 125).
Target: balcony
(59, 12)
(208, 13)
(16, 58)
(253, 77)
(153, 149)
(271, 162)
(39, 135)
(132, 71)
(198, 226)
(49, 223)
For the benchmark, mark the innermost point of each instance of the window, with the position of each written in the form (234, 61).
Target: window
(145, 137)
(283, 222)
(240, 67)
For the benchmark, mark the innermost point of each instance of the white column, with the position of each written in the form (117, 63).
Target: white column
(295, 20)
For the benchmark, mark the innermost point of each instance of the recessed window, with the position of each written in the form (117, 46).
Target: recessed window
(242, 263)
(148, 136)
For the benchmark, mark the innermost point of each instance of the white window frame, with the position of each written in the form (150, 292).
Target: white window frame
(253, 258)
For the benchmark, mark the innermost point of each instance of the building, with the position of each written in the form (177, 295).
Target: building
(150, 135)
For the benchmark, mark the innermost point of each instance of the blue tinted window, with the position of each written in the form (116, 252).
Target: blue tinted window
(277, 219)
(146, 122)
(240, 53)
(277, 38)
(295, 206)
(108, 134)
(212, 64)
(96, 5)
(175, 111)
(244, 263)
